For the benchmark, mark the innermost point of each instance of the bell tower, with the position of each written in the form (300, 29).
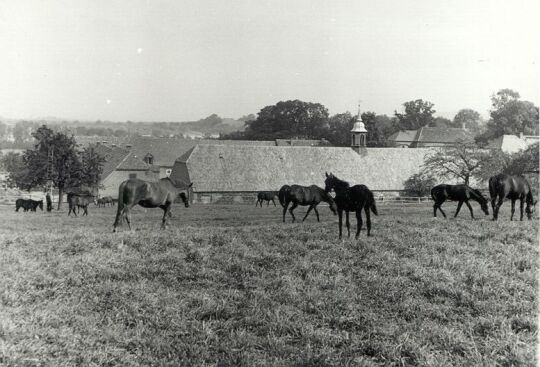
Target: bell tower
(358, 133)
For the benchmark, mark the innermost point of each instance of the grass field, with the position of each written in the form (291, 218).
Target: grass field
(232, 285)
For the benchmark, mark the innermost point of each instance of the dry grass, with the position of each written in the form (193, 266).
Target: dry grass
(232, 285)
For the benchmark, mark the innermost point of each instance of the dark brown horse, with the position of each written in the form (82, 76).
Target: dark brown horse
(305, 195)
(28, 205)
(160, 194)
(76, 201)
(504, 186)
(266, 196)
(461, 194)
(351, 199)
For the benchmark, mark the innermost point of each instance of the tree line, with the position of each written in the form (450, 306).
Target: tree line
(307, 120)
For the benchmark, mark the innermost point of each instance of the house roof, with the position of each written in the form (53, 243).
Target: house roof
(442, 135)
(167, 150)
(407, 136)
(215, 168)
(117, 158)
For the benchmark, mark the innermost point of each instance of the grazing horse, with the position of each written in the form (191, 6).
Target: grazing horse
(504, 186)
(351, 199)
(266, 196)
(305, 195)
(76, 201)
(461, 194)
(160, 194)
(28, 204)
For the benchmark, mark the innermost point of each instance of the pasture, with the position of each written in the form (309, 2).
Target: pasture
(232, 285)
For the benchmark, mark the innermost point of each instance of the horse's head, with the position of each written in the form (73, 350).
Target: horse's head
(329, 182)
(530, 208)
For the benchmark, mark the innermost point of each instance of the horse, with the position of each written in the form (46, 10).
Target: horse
(504, 186)
(160, 194)
(76, 201)
(108, 200)
(282, 193)
(99, 202)
(461, 194)
(305, 195)
(28, 204)
(350, 199)
(266, 196)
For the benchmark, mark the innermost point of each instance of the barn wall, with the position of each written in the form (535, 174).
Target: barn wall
(113, 181)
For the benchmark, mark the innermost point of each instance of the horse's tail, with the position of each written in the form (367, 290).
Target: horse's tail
(282, 197)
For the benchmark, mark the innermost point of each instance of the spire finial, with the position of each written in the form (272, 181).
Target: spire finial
(359, 111)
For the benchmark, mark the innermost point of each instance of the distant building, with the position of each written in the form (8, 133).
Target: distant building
(428, 137)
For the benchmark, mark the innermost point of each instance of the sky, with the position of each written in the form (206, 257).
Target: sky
(184, 60)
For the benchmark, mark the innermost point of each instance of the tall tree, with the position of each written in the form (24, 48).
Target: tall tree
(463, 161)
(417, 113)
(339, 129)
(468, 118)
(18, 173)
(288, 119)
(510, 115)
(375, 126)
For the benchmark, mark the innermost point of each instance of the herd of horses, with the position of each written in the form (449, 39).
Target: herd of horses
(357, 198)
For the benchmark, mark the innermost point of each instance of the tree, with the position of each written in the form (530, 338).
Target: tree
(468, 118)
(289, 119)
(417, 114)
(510, 115)
(91, 167)
(18, 173)
(441, 122)
(463, 161)
(339, 129)
(375, 126)
(3, 130)
(419, 184)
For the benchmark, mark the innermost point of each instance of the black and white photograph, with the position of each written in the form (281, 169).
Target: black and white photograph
(302, 183)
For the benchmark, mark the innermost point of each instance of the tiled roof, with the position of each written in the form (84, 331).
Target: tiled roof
(215, 168)
(441, 135)
(167, 150)
(407, 136)
(119, 158)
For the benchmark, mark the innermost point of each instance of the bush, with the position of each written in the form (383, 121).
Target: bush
(419, 184)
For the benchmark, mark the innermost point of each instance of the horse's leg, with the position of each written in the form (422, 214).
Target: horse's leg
(440, 209)
(494, 207)
(458, 208)
(340, 220)
(513, 209)
(309, 209)
(358, 222)
(127, 216)
(285, 210)
(498, 206)
(267, 202)
(273, 202)
(164, 220)
(347, 224)
(435, 210)
(470, 208)
(294, 205)
(521, 202)
(316, 212)
(368, 220)
(119, 215)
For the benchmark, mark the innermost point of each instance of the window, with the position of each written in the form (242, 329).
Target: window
(354, 140)
(132, 175)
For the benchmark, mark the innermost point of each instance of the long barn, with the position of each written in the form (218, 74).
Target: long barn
(234, 173)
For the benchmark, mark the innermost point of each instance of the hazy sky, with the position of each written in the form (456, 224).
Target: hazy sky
(183, 60)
